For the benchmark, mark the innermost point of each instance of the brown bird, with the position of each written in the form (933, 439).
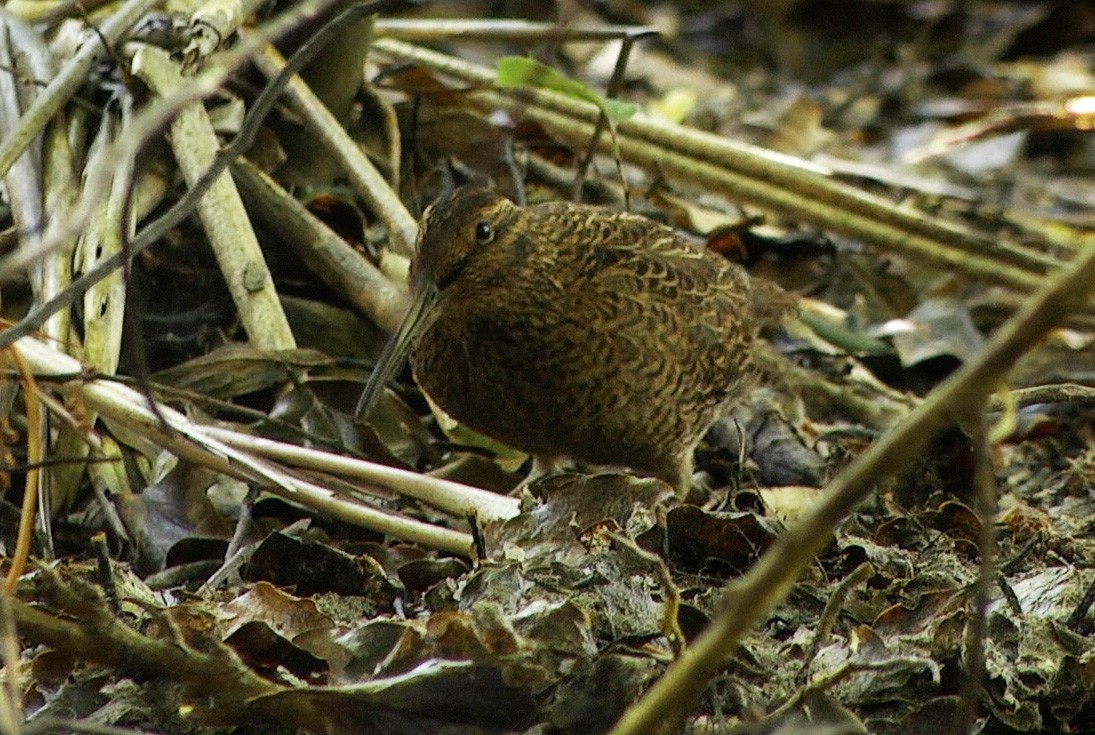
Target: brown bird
(575, 331)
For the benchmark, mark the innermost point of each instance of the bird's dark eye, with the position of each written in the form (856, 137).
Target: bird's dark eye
(484, 233)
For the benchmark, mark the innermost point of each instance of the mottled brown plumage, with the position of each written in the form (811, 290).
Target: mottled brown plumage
(580, 332)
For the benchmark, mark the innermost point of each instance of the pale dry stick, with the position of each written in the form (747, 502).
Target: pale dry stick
(44, 181)
(146, 126)
(23, 181)
(367, 181)
(449, 496)
(500, 29)
(214, 21)
(23, 58)
(1082, 395)
(127, 407)
(33, 11)
(773, 181)
(54, 271)
(78, 122)
(104, 314)
(133, 195)
(221, 210)
(25, 63)
(104, 303)
(69, 79)
(747, 599)
(339, 266)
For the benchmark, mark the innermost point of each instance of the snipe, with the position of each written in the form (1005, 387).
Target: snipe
(575, 331)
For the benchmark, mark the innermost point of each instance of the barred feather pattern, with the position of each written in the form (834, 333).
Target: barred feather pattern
(575, 331)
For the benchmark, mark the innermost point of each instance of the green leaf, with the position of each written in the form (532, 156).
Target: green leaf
(618, 109)
(521, 71)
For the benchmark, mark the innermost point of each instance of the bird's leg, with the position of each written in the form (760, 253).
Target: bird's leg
(544, 465)
(676, 471)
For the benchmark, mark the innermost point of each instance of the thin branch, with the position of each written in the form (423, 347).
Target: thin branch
(986, 506)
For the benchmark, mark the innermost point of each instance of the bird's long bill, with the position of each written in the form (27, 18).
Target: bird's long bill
(391, 358)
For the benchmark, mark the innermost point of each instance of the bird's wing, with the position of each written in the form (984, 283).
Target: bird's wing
(652, 264)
